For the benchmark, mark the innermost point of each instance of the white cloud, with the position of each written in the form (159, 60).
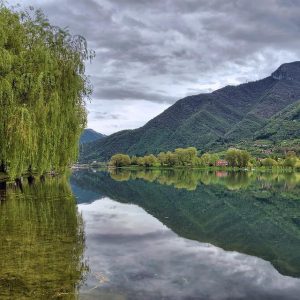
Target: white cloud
(109, 116)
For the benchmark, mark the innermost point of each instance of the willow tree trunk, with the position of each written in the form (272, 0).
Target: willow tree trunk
(2, 188)
(2, 167)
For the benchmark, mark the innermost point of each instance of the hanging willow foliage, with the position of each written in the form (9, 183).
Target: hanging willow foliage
(43, 88)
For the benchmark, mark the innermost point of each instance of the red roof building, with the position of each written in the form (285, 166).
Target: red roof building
(221, 163)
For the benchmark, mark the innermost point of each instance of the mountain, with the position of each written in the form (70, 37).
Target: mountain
(284, 125)
(90, 135)
(227, 116)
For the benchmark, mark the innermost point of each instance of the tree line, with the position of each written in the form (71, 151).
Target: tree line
(188, 157)
(43, 88)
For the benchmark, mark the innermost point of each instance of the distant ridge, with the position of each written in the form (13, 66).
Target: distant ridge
(268, 108)
(90, 135)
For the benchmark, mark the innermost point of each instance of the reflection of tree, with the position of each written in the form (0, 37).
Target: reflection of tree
(180, 178)
(261, 219)
(118, 175)
(41, 242)
(190, 179)
(185, 179)
(237, 180)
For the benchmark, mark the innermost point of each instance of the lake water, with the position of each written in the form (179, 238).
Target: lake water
(152, 235)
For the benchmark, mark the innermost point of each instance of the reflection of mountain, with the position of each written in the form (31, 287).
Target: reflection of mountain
(84, 195)
(41, 242)
(262, 219)
(82, 187)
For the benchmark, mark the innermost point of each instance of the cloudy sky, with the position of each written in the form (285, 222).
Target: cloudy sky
(151, 53)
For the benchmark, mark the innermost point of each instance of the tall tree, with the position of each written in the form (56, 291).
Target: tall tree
(43, 88)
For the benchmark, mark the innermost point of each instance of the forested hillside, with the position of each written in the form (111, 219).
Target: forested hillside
(268, 108)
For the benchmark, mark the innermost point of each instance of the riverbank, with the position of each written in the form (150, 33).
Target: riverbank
(5, 178)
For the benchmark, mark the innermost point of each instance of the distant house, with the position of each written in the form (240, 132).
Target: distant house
(268, 151)
(221, 163)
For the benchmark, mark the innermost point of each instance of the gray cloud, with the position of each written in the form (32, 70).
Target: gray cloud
(181, 41)
(161, 51)
(124, 93)
(106, 115)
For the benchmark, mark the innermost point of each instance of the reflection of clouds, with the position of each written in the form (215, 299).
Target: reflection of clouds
(143, 259)
(133, 219)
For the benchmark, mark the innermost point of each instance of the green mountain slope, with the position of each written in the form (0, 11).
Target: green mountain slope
(284, 125)
(90, 135)
(213, 120)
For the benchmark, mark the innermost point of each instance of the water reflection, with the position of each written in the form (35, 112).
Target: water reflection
(260, 218)
(134, 256)
(190, 179)
(41, 242)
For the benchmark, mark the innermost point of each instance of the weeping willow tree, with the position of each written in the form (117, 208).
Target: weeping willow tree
(43, 88)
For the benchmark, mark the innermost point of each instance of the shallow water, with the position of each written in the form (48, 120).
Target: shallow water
(153, 235)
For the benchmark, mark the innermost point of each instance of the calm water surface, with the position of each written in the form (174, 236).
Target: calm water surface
(152, 235)
(41, 242)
